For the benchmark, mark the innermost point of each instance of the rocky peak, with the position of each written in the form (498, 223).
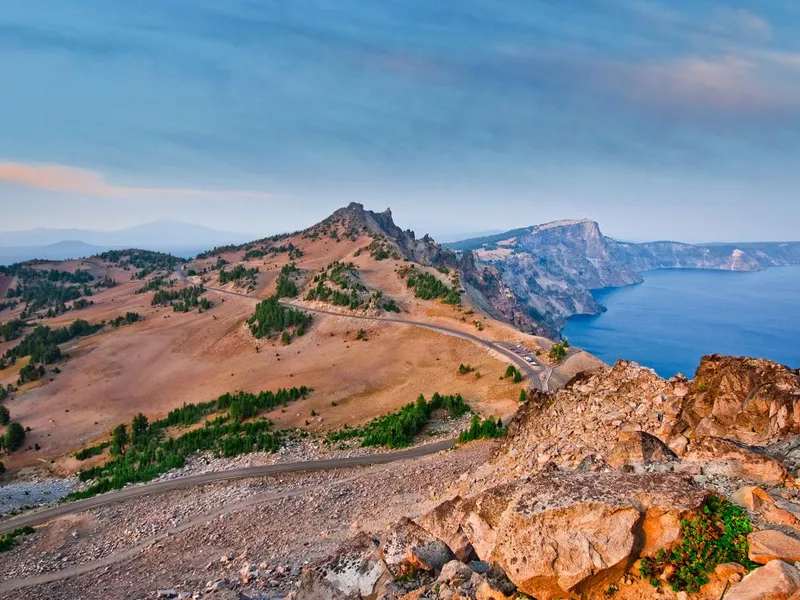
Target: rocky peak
(381, 224)
(582, 237)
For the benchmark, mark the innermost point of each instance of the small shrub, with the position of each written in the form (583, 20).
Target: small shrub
(464, 369)
(718, 535)
(8, 541)
(559, 351)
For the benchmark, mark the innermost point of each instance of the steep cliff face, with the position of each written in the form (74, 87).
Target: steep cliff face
(538, 276)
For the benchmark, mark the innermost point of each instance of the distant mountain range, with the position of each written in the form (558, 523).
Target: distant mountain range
(175, 237)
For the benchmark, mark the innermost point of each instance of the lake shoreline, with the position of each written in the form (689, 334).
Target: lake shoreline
(655, 322)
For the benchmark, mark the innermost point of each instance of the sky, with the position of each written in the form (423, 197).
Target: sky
(677, 119)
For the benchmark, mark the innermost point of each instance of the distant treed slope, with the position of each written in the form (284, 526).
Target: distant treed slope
(486, 240)
(538, 276)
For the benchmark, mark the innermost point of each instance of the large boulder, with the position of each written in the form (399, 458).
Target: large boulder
(749, 400)
(405, 544)
(776, 580)
(570, 534)
(469, 525)
(770, 544)
(775, 510)
(354, 571)
(639, 448)
(734, 459)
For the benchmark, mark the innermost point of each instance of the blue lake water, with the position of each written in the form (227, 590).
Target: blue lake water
(676, 316)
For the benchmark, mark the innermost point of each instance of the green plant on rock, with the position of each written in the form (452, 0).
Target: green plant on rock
(717, 535)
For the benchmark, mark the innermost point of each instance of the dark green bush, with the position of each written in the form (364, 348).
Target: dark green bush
(149, 453)
(717, 535)
(8, 541)
(482, 429)
(271, 317)
(397, 429)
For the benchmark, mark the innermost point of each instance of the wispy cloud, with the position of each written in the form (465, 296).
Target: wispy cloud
(72, 180)
(743, 22)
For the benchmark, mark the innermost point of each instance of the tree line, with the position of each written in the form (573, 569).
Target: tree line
(146, 261)
(11, 330)
(285, 285)
(182, 300)
(141, 451)
(236, 274)
(428, 287)
(398, 429)
(40, 288)
(482, 429)
(42, 343)
(271, 317)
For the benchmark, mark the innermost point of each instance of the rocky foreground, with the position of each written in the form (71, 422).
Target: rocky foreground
(622, 485)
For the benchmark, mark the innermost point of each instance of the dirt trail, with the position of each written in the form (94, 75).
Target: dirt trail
(49, 514)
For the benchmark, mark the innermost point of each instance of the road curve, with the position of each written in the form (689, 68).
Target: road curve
(533, 373)
(158, 487)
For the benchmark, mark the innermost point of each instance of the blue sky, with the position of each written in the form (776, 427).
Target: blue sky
(676, 119)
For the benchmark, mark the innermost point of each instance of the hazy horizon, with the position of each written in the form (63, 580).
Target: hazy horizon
(659, 120)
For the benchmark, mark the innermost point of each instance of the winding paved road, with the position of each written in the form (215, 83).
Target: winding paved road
(178, 483)
(538, 374)
(42, 516)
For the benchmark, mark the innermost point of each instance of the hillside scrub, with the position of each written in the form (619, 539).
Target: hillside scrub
(398, 429)
(14, 437)
(147, 261)
(9, 540)
(286, 287)
(271, 317)
(237, 274)
(11, 330)
(146, 452)
(559, 351)
(40, 288)
(482, 429)
(181, 300)
(30, 372)
(129, 318)
(428, 287)
(513, 373)
(42, 343)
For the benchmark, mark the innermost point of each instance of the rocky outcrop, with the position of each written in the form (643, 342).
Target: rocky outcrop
(750, 400)
(770, 509)
(639, 448)
(355, 571)
(486, 287)
(550, 269)
(592, 479)
(735, 460)
(776, 580)
(769, 544)
(406, 545)
(424, 250)
(630, 417)
(564, 535)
